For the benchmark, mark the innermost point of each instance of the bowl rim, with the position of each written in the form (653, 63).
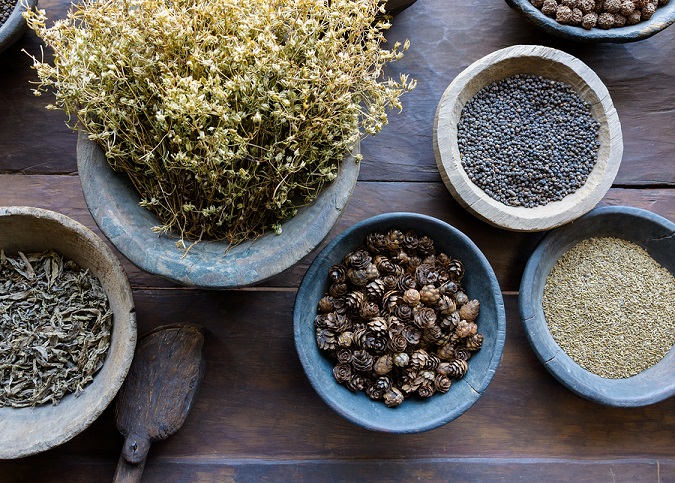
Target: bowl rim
(664, 17)
(125, 334)
(15, 25)
(113, 203)
(497, 65)
(308, 355)
(626, 392)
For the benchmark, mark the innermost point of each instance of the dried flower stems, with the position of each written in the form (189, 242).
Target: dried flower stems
(227, 115)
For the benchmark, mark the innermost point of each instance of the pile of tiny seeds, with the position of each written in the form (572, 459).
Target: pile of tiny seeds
(605, 14)
(6, 9)
(527, 141)
(396, 319)
(609, 306)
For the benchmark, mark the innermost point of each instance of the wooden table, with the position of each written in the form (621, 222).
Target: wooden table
(257, 417)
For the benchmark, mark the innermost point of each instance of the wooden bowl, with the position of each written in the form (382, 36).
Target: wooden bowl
(15, 25)
(113, 202)
(25, 431)
(548, 63)
(413, 415)
(653, 233)
(663, 17)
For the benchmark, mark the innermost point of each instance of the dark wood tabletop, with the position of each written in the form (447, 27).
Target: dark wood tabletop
(257, 418)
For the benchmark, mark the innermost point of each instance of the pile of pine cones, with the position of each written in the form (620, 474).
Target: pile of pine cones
(396, 318)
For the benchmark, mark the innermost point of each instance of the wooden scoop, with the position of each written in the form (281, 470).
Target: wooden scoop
(158, 392)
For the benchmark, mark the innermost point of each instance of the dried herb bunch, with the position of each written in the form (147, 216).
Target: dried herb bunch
(396, 318)
(55, 327)
(227, 115)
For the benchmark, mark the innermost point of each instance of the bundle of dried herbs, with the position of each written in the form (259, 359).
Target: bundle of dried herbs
(396, 319)
(55, 325)
(227, 115)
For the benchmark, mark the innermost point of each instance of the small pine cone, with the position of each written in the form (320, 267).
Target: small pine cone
(344, 356)
(577, 16)
(450, 321)
(412, 335)
(372, 272)
(418, 359)
(325, 304)
(342, 373)
(425, 245)
(342, 324)
(355, 300)
(337, 274)
(462, 353)
(357, 383)
(393, 397)
(405, 282)
(378, 388)
(456, 270)
(586, 6)
(619, 20)
(393, 240)
(446, 305)
(432, 362)
(404, 312)
(589, 21)
(369, 310)
(444, 338)
(384, 264)
(458, 368)
(563, 14)
(362, 361)
(395, 326)
(648, 10)
(442, 383)
(461, 298)
(475, 342)
(337, 290)
(537, 3)
(378, 325)
(432, 335)
(340, 305)
(465, 329)
(375, 243)
(390, 301)
(401, 359)
(424, 318)
(325, 321)
(413, 262)
(430, 295)
(612, 6)
(325, 339)
(383, 365)
(376, 343)
(397, 343)
(469, 311)
(358, 277)
(390, 282)
(634, 18)
(627, 7)
(430, 260)
(426, 274)
(358, 259)
(446, 352)
(411, 297)
(443, 260)
(410, 240)
(605, 20)
(426, 390)
(449, 288)
(345, 339)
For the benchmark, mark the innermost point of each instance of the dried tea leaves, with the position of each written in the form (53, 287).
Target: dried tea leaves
(55, 325)
(609, 306)
(396, 319)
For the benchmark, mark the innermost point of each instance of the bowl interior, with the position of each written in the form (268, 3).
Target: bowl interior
(414, 414)
(650, 231)
(15, 25)
(551, 64)
(25, 431)
(113, 202)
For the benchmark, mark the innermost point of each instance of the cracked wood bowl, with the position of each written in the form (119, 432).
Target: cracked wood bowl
(648, 230)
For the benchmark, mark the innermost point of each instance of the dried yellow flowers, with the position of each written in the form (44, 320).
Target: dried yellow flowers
(227, 115)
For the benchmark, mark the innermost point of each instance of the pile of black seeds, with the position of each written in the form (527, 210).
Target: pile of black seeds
(6, 9)
(527, 140)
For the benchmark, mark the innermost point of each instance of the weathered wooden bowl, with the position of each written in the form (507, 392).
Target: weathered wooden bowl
(26, 431)
(653, 233)
(414, 414)
(113, 202)
(14, 27)
(663, 17)
(548, 63)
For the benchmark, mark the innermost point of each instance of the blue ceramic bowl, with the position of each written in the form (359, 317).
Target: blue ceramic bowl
(653, 233)
(663, 17)
(14, 27)
(413, 415)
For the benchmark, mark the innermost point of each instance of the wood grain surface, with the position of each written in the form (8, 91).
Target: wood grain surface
(256, 417)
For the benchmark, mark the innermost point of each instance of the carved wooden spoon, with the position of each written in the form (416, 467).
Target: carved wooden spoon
(157, 395)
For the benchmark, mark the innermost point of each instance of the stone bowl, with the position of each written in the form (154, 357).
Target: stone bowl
(663, 17)
(551, 64)
(413, 415)
(653, 233)
(113, 202)
(25, 431)
(15, 25)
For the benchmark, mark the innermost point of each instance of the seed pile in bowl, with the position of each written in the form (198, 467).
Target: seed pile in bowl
(55, 325)
(6, 9)
(527, 141)
(396, 319)
(605, 14)
(609, 306)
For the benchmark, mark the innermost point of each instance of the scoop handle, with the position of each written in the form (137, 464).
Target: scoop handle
(132, 460)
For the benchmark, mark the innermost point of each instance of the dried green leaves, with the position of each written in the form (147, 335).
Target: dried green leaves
(55, 328)
(227, 115)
